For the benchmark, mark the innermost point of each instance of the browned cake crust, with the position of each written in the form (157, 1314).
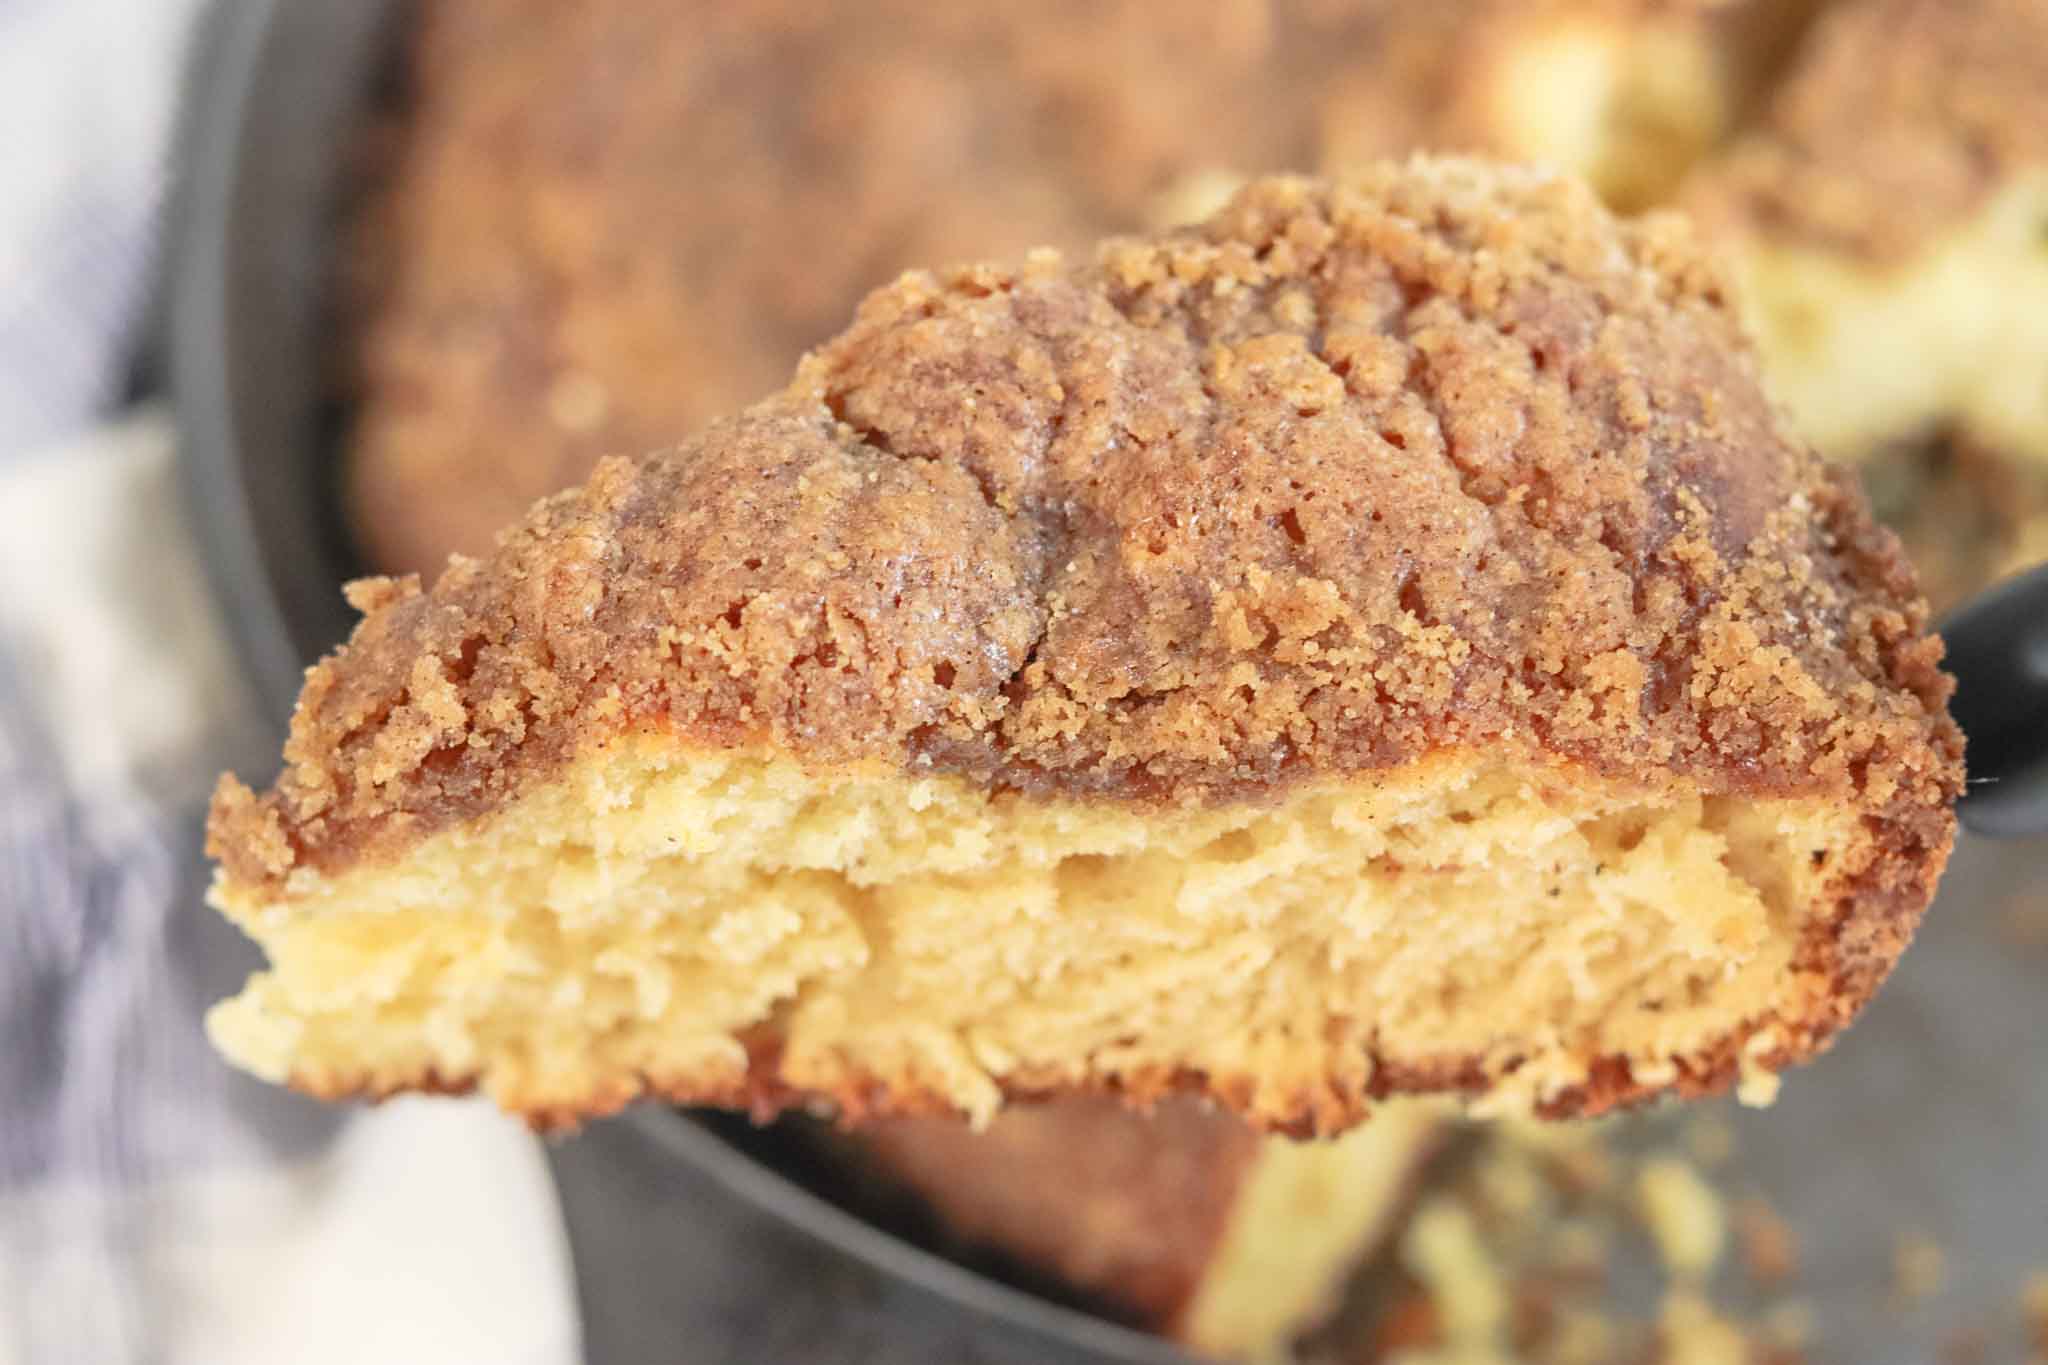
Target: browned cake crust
(1125, 1207)
(1439, 456)
(1897, 120)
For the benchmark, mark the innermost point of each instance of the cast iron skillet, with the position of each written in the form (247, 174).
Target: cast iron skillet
(276, 90)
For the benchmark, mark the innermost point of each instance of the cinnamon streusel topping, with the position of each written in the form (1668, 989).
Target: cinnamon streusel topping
(1439, 455)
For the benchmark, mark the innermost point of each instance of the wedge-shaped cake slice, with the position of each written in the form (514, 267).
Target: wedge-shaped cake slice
(1379, 640)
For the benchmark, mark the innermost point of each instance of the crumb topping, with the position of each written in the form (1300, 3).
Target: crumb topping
(1441, 455)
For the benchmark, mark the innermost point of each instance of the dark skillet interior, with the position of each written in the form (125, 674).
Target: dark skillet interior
(273, 91)
(276, 91)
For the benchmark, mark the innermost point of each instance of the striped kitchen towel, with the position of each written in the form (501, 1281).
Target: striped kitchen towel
(155, 1205)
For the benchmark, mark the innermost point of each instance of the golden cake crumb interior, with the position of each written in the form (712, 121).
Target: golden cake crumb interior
(640, 915)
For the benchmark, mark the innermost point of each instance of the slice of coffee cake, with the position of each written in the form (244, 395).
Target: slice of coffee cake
(1378, 640)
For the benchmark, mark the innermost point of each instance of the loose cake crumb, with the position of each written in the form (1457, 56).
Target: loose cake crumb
(1444, 1250)
(1582, 1337)
(1683, 1214)
(1918, 1267)
(2034, 1308)
(1770, 1250)
(2023, 920)
(1511, 1184)
(1691, 1332)
(1556, 1264)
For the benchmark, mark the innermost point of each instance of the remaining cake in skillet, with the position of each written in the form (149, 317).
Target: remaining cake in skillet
(1628, 93)
(1378, 641)
(1886, 214)
(1183, 1221)
(591, 228)
(1888, 208)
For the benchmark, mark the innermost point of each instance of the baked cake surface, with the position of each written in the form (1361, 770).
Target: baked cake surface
(1379, 640)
